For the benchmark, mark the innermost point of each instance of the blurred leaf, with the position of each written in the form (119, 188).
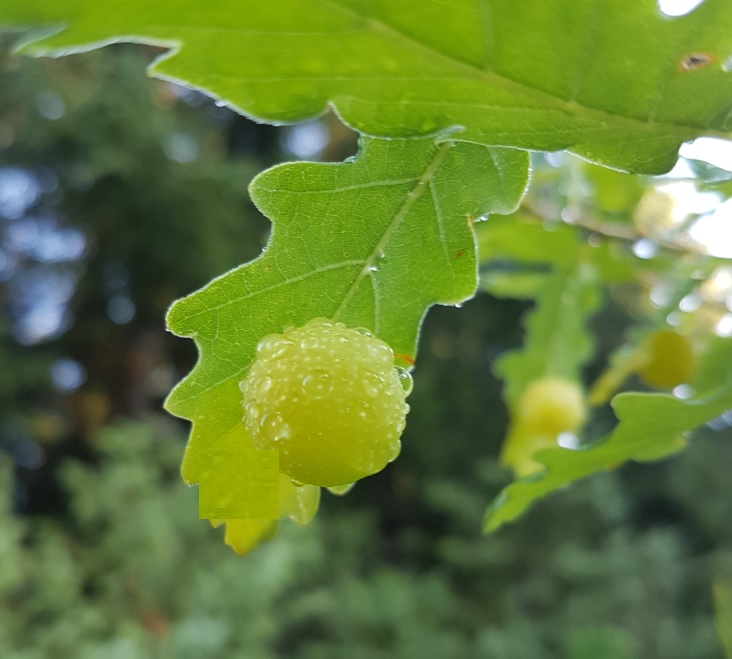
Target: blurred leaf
(709, 173)
(650, 426)
(510, 283)
(372, 243)
(557, 339)
(516, 253)
(600, 643)
(613, 262)
(614, 192)
(714, 365)
(545, 75)
(722, 591)
(524, 239)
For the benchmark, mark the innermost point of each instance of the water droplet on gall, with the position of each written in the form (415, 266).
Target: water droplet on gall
(406, 380)
(317, 384)
(264, 384)
(252, 410)
(372, 385)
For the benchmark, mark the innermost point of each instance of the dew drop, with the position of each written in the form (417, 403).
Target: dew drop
(396, 449)
(381, 354)
(252, 410)
(675, 8)
(273, 347)
(271, 424)
(405, 380)
(373, 385)
(364, 330)
(309, 342)
(264, 384)
(317, 383)
(264, 346)
(280, 349)
(365, 413)
(282, 433)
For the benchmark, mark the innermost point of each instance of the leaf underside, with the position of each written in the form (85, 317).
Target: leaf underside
(614, 80)
(372, 243)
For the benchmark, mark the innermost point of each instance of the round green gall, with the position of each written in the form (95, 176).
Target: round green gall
(329, 399)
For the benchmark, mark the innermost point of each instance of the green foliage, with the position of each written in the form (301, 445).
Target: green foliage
(723, 603)
(650, 426)
(130, 572)
(557, 341)
(439, 92)
(550, 75)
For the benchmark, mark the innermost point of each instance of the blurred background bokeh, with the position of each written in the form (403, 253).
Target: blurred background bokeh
(119, 194)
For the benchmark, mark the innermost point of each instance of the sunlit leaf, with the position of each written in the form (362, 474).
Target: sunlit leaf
(614, 81)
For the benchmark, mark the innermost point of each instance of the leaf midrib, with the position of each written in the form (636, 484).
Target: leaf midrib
(415, 193)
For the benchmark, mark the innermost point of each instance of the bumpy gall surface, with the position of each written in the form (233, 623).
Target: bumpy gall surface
(330, 399)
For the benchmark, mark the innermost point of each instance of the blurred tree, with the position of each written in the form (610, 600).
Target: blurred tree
(117, 195)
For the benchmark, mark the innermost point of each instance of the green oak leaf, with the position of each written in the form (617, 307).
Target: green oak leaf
(614, 81)
(372, 242)
(651, 426)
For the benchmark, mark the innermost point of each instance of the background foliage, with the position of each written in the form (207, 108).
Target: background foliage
(109, 557)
